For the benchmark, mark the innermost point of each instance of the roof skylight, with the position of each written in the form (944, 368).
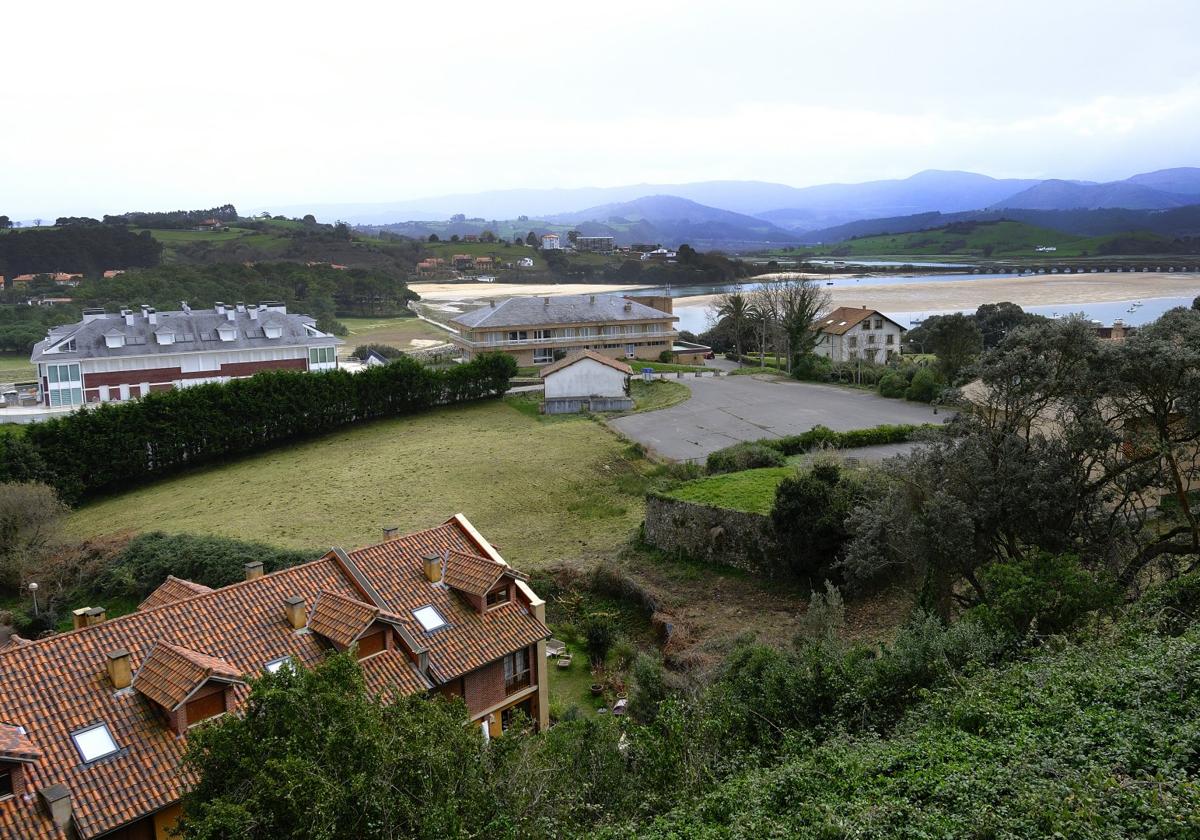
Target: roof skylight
(95, 742)
(430, 618)
(275, 664)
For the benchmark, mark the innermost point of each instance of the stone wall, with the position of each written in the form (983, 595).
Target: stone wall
(712, 535)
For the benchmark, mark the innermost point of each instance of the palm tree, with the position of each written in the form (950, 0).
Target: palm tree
(736, 309)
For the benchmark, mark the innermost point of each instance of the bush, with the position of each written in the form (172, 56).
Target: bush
(925, 386)
(819, 436)
(809, 520)
(115, 446)
(744, 456)
(812, 368)
(649, 689)
(1172, 606)
(599, 633)
(385, 350)
(1045, 593)
(666, 356)
(893, 385)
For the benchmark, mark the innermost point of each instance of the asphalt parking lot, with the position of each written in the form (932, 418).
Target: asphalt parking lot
(729, 409)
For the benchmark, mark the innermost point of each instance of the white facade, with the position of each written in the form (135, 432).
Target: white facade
(550, 242)
(586, 378)
(874, 339)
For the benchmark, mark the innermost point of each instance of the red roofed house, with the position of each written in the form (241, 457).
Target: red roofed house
(851, 332)
(93, 722)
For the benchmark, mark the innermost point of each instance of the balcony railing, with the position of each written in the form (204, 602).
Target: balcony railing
(517, 682)
(624, 338)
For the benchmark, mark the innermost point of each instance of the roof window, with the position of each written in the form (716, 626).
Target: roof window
(272, 330)
(430, 618)
(274, 665)
(95, 742)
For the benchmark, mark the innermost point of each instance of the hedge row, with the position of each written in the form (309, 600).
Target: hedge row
(116, 446)
(769, 452)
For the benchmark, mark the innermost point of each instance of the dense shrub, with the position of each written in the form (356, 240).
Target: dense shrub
(599, 634)
(1045, 593)
(819, 436)
(212, 561)
(649, 689)
(812, 368)
(893, 385)
(744, 456)
(924, 387)
(115, 446)
(385, 350)
(809, 519)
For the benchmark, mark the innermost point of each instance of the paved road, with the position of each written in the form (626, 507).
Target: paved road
(729, 409)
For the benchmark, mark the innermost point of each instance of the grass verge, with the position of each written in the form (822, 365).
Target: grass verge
(751, 491)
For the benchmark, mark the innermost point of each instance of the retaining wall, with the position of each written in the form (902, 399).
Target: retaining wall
(713, 535)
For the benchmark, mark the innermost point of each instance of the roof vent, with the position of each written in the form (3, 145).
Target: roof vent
(187, 310)
(241, 306)
(230, 314)
(119, 670)
(152, 315)
(57, 801)
(628, 307)
(593, 299)
(390, 531)
(432, 564)
(254, 570)
(96, 615)
(145, 310)
(297, 616)
(79, 617)
(546, 301)
(253, 313)
(493, 303)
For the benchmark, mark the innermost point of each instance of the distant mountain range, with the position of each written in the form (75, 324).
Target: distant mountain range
(744, 215)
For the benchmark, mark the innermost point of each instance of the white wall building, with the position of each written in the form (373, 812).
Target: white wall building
(586, 381)
(550, 242)
(849, 333)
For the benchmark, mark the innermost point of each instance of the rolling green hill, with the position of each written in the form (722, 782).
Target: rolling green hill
(995, 239)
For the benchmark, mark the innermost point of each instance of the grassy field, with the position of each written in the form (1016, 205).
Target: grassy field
(171, 239)
(503, 253)
(15, 367)
(543, 489)
(398, 332)
(752, 491)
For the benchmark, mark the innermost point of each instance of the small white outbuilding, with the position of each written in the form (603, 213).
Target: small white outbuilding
(586, 381)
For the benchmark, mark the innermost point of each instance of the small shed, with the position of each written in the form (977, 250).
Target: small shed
(586, 381)
(376, 359)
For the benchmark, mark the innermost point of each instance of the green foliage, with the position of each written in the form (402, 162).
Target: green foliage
(752, 491)
(649, 688)
(823, 436)
(82, 248)
(666, 357)
(1172, 606)
(892, 385)
(1043, 594)
(212, 561)
(599, 634)
(924, 387)
(747, 455)
(812, 368)
(955, 339)
(809, 519)
(385, 350)
(116, 446)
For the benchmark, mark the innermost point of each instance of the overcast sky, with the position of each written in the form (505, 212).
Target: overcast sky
(121, 106)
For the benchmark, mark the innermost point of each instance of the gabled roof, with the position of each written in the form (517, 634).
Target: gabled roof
(471, 573)
(16, 746)
(560, 309)
(341, 619)
(171, 590)
(615, 364)
(171, 674)
(57, 685)
(843, 319)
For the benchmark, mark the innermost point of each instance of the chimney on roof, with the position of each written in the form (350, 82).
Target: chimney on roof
(96, 615)
(90, 315)
(492, 302)
(628, 306)
(145, 310)
(230, 314)
(432, 564)
(127, 314)
(119, 670)
(79, 617)
(241, 306)
(593, 300)
(253, 312)
(390, 531)
(219, 307)
(56, 799)
(254, 570)
(152, 316)
(546, 301)
(293, 608)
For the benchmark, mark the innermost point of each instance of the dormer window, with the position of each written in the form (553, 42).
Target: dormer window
(227, 332)
(113, 338)
(67, 346)
(166, 337)
(94, 743)
(497, 597)
(272, 330)
(429, 618)
(6, 783)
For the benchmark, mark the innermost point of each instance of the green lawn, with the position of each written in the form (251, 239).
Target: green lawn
(15, 367)
(664, 367)
(752, 491)
(398, 332)
(657, 394)
(541, 489)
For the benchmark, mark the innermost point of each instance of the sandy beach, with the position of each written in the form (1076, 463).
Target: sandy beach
(1032, 290)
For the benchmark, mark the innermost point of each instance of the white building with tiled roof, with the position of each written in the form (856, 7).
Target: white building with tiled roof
(851, 332)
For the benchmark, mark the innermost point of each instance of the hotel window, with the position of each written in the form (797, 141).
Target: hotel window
(65, 384)
(852, 341)
(543, 335)
(870, 339)
(516, 671)
(542, 356)
(518, 335)
(866, 325)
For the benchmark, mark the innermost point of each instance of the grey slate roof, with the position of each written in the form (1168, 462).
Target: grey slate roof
(561, 309)
(195, 331)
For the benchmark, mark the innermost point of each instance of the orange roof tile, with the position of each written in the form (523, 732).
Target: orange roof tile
(171, 674)
(171, 590)
(471, 573)
(16, 746)
(843, 319)
(340, 619)
(58, 685)
(585, 354)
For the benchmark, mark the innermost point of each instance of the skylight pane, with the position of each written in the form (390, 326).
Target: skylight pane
(95, 743)
(430, 618)
(275, 664)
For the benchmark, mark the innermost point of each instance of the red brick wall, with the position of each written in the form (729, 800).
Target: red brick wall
(484, 687)
(18, 777)
(170, 374)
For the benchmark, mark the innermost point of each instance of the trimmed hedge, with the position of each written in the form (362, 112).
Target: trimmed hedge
(727, 459)
(114, 447)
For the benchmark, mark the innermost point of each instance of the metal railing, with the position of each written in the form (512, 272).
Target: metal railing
(517, 682)
(623, 338)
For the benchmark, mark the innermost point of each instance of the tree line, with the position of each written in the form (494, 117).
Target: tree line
(116, 446)
(89, 249)
(174, 219)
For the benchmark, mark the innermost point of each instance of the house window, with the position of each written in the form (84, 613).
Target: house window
(205, 707)
(65, 384)
(866, 325)
(68, 347)
(890, 339)
(6, 783)
(516, 671)
(870, 339)
(878, 323)
(852, 341)
(368, 645)
(321, 356)
(94, 743)
(497, 597)
(543, 356)
(543, 335)
(430, 618)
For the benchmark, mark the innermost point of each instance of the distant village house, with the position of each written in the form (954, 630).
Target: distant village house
(848, 333)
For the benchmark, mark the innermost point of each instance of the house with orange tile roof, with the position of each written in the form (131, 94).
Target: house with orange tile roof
(94, 722)
(852, 332)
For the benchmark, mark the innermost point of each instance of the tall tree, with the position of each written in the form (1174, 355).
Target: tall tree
(797, 303)
(956, 341)
(735, 309)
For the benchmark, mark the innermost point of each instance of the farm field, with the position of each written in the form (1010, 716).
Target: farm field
(543, 489)
(15, 367)
(398, 332)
